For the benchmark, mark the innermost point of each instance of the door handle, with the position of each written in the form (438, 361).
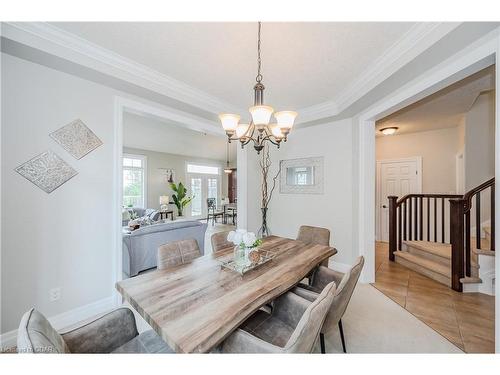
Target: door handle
(384, 206)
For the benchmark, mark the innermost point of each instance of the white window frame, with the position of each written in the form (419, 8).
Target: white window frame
(144, 168)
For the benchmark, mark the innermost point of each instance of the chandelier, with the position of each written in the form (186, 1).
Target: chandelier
(259, 130)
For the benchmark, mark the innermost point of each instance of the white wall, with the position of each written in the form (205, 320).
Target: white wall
(156, 182)
(438, 149)
(334, 208)
(64, 238)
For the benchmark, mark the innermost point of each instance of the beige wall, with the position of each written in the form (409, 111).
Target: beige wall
(480, 141)
(480, 149)
(438, 149)
(156, 184)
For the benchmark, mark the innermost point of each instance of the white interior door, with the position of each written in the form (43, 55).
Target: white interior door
(395, 178)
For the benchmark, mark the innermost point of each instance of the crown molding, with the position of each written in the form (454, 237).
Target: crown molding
(51, 39)
(415, 41)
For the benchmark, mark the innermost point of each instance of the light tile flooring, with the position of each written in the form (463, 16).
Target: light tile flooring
(465, 319)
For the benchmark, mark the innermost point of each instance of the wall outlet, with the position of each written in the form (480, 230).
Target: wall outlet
(55, 294)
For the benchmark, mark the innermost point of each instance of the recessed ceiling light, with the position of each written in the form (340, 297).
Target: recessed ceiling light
(389, 131)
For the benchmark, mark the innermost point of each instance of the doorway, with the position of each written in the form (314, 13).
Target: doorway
(203, 187)
(397, 177)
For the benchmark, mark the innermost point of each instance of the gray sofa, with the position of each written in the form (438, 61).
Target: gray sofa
(140, 246)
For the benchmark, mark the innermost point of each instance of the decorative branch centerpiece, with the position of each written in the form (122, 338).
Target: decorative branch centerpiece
(267, 193)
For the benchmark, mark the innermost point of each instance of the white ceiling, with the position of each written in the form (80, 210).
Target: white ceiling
(303, 63)
(444, 109)
(154, 134)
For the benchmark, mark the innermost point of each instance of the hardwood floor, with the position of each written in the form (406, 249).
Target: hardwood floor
(465, 319)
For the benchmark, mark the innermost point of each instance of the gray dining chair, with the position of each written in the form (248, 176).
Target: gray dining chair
(114, 332)
(315, 235)
(219, 241)
(345, 287)
(177, 253)
(292, 326)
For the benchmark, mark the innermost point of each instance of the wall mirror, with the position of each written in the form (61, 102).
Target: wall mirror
(301, 176)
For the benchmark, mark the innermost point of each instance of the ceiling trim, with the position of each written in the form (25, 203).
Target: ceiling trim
(416, 40)
(171, 115)
(49, 38)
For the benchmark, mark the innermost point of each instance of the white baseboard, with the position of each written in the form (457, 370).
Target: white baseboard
(66, 319)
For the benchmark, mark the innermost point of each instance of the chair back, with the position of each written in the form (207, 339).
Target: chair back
(219, 241)
(306, 333)
(314, 235)
(177, 253)
(36, 335)
(343, 293)
(211, 204)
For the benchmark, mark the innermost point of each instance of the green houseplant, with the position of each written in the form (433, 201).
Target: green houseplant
(180, 199)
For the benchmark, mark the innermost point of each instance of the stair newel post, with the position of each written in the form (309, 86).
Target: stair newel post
(457, 242)
(393, 200)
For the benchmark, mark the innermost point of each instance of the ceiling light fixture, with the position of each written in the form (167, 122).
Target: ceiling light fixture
(389, 131)
(227, 169)
(259, 130)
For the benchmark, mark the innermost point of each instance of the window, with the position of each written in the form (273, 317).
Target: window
(202, 169)
(204, 183)
(134, 180)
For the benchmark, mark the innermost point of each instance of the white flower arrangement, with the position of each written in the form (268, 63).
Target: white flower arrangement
(244, 239)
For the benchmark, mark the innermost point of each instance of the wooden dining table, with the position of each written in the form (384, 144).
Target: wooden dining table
(194, 306)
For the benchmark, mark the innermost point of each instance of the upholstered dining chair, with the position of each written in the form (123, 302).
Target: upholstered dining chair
(177, 253)
(114, 332)
(345, 287)
(315, 235)
(219, 241)
(292, 326)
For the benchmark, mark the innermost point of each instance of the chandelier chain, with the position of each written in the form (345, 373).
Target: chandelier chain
(259, 61)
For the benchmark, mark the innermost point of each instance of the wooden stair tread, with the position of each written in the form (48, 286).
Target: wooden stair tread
(440, 249)
(470, 280)
(425, 263)
(483, 252)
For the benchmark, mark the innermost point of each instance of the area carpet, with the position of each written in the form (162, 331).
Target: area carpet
(373, 323)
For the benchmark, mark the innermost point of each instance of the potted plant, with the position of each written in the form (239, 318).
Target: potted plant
(180, 199)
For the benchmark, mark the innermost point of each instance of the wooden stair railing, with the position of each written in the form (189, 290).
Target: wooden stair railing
(410, 219)
(460, 226)
(417, 217)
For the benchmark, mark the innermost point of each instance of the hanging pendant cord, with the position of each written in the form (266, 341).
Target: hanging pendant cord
(259, 76)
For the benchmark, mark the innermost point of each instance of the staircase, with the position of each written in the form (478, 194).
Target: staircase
(420, 241)
(433, 259)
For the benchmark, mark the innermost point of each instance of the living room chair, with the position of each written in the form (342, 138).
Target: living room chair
(219, 241)
(212, 211)
(177, 253)
(292, 326)
(345, 287)
(114, 332)
(315, 235)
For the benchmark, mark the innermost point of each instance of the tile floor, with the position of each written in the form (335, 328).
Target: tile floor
(465, 319)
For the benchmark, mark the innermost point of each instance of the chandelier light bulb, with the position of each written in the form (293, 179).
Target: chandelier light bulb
(261, 114)
(285, 119)
(241, 130)
(276, 131)
(229, 122)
